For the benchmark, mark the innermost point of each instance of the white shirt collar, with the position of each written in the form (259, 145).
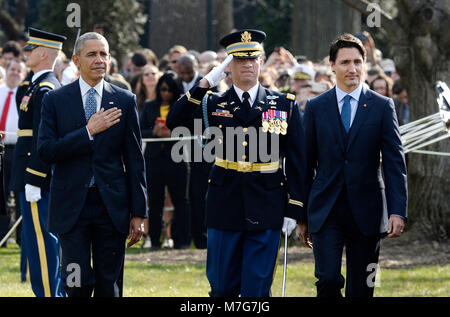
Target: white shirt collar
(39, 73)
(84, 87)
(252, 92)
(355, 94)
(6, 87)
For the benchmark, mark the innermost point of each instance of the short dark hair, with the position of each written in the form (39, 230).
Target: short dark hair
(343, 41)
(173, 82)
(139, 59)
(12, 47)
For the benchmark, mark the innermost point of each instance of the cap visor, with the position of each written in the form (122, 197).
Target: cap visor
(29, 47)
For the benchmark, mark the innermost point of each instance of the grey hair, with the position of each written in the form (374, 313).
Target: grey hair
(88, 36)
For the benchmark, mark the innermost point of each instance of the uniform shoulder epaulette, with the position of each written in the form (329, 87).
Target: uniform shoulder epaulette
(25, 83)
(290, 96)
(47, 84)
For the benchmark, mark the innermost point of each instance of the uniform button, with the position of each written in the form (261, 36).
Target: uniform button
(244, 143)
(244, 157)
(209, 180)
(29, 154)
(281, 184)
(220, 126)
(244, 129)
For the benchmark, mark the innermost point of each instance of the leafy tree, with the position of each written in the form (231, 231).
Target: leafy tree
(123, 22)
(274, 17)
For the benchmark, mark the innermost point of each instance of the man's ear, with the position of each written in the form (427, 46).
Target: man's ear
(76, 60)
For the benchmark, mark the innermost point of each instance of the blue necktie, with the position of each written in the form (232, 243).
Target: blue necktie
(91, 104)
(346, 113)
(89, 109)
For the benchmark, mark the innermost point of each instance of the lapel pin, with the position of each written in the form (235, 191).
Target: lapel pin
(365, 105)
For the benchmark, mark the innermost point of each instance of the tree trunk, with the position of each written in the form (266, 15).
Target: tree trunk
(420, 44)
(315, 24)
(223, 22)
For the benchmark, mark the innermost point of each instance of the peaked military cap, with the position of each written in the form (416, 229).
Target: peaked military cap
(42, 38)
(245, 43)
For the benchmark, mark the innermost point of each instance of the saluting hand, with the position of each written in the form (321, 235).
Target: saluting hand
(103, 120)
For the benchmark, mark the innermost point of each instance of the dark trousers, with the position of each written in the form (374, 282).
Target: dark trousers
(94, 232)
(362, 252)
(241, 263)
(198, 185)
(162, 172)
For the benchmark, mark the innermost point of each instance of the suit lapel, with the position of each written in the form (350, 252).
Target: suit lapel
(77, 107)
(333, 119)
(108, 100)
(361, 115)
(259, 106)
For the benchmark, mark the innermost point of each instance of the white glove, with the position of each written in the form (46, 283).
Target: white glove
(289, 225)
(217, 73)
(32, 193)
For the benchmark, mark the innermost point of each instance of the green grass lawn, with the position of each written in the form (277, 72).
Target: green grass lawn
(146, 280)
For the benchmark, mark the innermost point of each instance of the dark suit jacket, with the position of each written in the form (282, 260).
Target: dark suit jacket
(353, 160)
(148, 116)
(114, 156)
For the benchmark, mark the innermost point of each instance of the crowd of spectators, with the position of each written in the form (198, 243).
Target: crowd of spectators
(146, 75)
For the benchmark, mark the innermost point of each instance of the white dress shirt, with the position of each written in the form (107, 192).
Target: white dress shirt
(12, 120)
(84, 88)
(189, 85)
(355, 94)
(252, 92)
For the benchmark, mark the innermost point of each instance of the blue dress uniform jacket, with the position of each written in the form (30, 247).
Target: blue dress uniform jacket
(28, 168)
(353, 161)
(114, 157)
(249, 201)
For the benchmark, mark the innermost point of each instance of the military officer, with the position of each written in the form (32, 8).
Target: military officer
(255, 188)
(32, 176)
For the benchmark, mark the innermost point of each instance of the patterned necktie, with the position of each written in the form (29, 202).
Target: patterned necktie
(89, 109)
(346, 113)
(91, 104)
(246, 102)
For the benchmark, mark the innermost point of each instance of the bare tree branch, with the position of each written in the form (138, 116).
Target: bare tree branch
(9, 26)
(388, 23)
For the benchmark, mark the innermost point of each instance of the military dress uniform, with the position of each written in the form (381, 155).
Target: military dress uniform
(248, 196)
(41, 247)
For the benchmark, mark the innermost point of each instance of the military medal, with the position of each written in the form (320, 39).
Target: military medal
(277, 122)
(271, 120)
(24, 103)
(265, 122)
(284, 123)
